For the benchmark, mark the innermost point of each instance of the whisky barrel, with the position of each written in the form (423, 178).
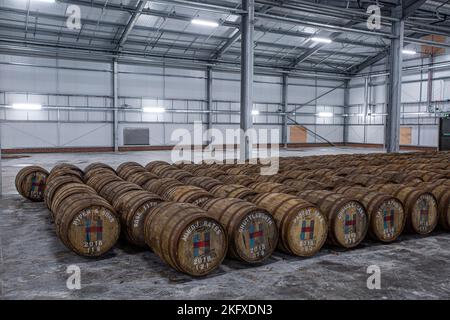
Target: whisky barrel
(441, 192)
(206, 183)
(252, 231)
(366, 179)
(302, 227)
(52, 187)
(159, 168)
(87, 224)
(233, 191)
(141, 178)
(153, 164)
(159, 186)
(186, 238)
(133, 209)
(98, 182)
(65, 170)
(126, 165)
(30, 183)
(427, 176)
(98, 171)
(127, 171)
(67, 166)
(271, 187)
(277, 178)
(420, 206)
(240, 179)
(180, 175)
(212, 173)
(68, 190)
(246, 170)
(347, 218)
(387, 217)
(97, 165)
(188, 194)
(112, 191)
(303, 185)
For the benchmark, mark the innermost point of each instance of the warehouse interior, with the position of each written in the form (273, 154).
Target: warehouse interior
(112, 81)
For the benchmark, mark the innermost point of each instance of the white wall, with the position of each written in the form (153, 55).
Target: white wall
(414, 98)
(78, 104)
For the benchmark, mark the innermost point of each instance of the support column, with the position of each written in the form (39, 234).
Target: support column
(209, 100)
(247, 69)
(395, 87)
(1, 169)
(284, 98)
(116, 107)
(346, 111)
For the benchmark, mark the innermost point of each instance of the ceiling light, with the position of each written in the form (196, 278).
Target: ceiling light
(205, 23)
(153, 110)
(325, 114)
(26, 106)
(255, 112)
(321, 40)
(410, 52)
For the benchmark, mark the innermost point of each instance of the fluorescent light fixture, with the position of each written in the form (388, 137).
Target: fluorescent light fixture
(321, 40)
(26, 106)
(325, 114)
(153, 110)
(255, 112)
(409, 52)
(206, 23)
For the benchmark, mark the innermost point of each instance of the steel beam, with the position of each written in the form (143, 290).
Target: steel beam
(116, 107)
(395, 87)
(346, 110)
(131, 23)
(228, 44)
(285, 104)
(410, 7)
(209, 100)
(247, 71)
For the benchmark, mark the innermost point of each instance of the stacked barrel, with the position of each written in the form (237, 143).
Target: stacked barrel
(193, 215)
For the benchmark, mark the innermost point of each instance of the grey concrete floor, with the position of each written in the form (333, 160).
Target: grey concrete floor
(33, 262)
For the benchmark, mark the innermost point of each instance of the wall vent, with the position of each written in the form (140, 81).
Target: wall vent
(136, 136)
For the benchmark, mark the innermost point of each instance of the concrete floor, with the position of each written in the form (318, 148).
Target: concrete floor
(33, 262)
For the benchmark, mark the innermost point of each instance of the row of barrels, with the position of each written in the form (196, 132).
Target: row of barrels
(424, 204)
(301, 225)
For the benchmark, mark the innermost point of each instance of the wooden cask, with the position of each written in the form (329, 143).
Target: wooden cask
(186, 238)
(159, 186)
(242, 170)
(277, 178)
(127, 169)
(272, 187)
(252, 231)
(233, 191)
(65, 169)
(98, 182)
(31, 182)
(66, 191)
(112, 191)
(133, 208)
(97, 171)
(386, 214)
(52, 187)
(97, 165)
(153, 164)
(302, 227)
(303, 185)
(158, 168)
(87, 224)
(206, 183)
(180, 175)
(213, 173)
(141, 178)
(420, 206)
(189, 194)
(347, 217)
(240, 179)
